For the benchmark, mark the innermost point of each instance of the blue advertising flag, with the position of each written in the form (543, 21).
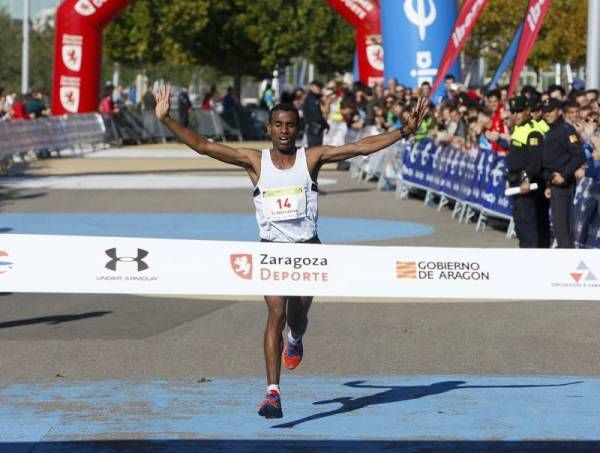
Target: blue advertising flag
(415, 34)
(509, 56)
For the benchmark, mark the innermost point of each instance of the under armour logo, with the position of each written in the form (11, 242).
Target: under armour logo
(112, 264)
(418, 17)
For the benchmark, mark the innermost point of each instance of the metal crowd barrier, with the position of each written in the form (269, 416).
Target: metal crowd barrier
(52, 133)
(130, 126)
(474, 184)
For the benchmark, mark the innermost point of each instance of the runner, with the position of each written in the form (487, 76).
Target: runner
(285, 196)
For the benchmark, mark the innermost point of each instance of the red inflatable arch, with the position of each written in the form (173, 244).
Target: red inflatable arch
(78, 53)
(78, 47)
(365, 17)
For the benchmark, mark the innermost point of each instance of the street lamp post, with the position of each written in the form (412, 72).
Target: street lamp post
(25, 59)
(593, 45)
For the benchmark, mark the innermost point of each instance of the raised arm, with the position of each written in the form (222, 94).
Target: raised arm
(242, 157)
(370, 145)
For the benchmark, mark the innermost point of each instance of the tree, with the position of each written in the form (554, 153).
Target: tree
(562, 38)
(10, 54)
(236, 37)
(41, 53)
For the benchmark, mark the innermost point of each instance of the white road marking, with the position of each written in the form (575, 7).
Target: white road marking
(125, 181)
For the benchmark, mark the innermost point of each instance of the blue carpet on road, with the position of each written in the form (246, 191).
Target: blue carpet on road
(363, 412)
(206, 226)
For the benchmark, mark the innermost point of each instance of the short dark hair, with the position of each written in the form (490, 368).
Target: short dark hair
(559, 88)
(493, 93)
(284, 107)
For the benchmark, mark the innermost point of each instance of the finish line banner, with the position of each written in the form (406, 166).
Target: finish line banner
(83, 264)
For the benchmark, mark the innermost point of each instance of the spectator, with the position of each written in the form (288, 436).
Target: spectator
(208, 102)
(570, 112)
(557, 92)
(267, 100)
(35, 106)
(107, 107)
(184, 105)
(449, 83)
(17, 111)
(118, 97)
(149, 100)
(314, 122)
(497, 127)
(392, 85)
(230, 102)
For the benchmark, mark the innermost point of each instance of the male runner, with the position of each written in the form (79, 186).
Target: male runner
(284, 169)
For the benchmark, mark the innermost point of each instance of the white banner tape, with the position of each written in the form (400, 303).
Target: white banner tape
(82, 264)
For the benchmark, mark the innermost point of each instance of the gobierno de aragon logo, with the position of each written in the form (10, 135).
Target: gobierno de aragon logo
(441, 270)
(264, 266)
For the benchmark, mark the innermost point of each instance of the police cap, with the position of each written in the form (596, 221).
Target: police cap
(535, 103)
(518, 104)
(551, 104)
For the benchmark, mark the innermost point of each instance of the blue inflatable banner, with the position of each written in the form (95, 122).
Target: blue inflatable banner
(415, 34)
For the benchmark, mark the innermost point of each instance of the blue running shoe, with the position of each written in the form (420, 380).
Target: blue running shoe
(270, 407)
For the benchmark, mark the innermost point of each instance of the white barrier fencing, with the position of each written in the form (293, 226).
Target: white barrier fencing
(71, 264)
(57, 132)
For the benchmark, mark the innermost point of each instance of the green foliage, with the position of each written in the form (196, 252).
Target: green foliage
(562, 37)
(41, 53)
(237, 37)
(10, 53)
(153, 31)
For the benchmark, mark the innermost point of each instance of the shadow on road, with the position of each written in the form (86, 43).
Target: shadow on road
(395, 394)
(52, 320)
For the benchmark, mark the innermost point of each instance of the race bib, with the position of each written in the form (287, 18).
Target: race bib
(285, 203)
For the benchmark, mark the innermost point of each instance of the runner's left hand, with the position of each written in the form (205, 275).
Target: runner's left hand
(417, 114)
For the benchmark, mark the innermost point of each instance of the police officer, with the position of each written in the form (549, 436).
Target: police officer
(537, 116)
(524, 163)
(563, 162)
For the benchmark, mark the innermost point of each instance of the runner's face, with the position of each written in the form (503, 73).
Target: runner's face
(283, 129)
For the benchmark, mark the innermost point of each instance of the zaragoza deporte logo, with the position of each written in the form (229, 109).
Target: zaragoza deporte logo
(241, 263)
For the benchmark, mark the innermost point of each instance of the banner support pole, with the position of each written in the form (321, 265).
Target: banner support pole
(593, 45)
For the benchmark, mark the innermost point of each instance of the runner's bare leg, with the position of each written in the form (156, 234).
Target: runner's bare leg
(297, 314)
(273, 341)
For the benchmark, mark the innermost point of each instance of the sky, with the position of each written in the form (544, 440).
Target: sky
(15, 7)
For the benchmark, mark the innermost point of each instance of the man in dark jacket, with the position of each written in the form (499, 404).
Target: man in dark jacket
(563, 162)
(524, 163)
(184, 106)
(313, 117)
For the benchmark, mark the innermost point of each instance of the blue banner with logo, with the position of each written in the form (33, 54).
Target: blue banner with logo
(415, 34)
(476, 179)
(480, 180)
(586, 213)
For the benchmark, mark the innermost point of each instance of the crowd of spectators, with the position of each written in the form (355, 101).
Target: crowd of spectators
(29, 106)
(464, 118)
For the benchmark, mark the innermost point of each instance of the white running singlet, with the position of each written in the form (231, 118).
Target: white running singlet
(286, 201)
